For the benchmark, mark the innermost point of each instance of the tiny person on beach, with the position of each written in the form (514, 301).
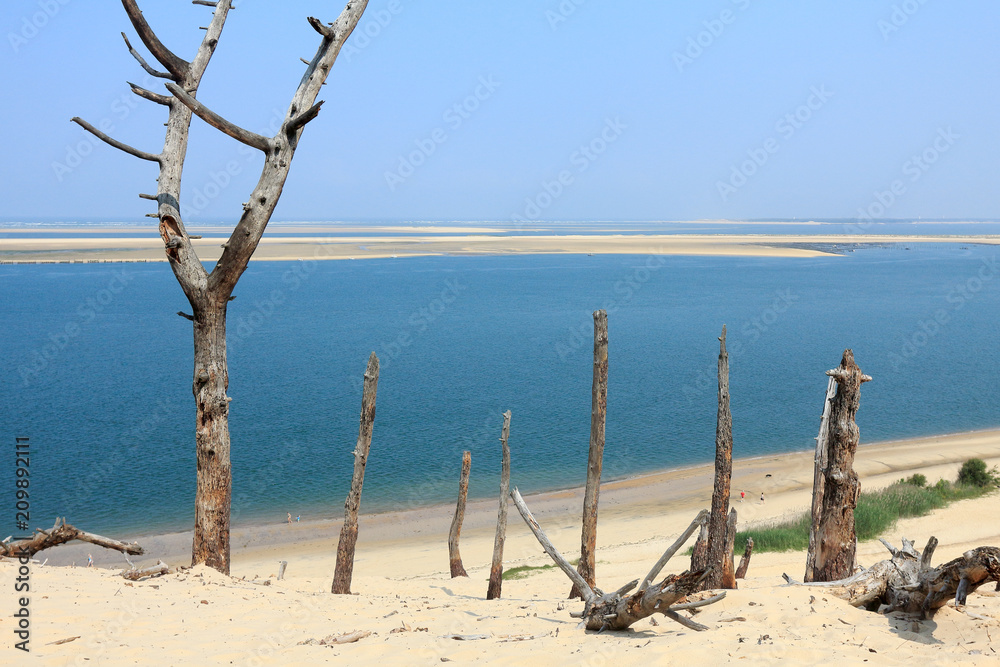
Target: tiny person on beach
(743, 495)
(290, 515)
(761, 496)
(298, 518)
(90, 560)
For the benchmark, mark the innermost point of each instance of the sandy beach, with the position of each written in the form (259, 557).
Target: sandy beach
(325, 242)
(406, 598)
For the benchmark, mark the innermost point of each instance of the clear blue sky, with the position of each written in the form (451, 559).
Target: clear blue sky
(896, 80)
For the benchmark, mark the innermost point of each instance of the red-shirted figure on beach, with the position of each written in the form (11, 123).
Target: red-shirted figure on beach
(743, 494)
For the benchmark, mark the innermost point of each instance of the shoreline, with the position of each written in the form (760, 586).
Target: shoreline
(687, 486)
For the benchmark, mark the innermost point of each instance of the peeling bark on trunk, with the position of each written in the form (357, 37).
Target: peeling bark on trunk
(214, 480)
(699, 552)
(728, 570)
(719, 554)
(595, 458)
(496, 568)
(349, 531)
(836, 541)
(819, 472)
(454, 556)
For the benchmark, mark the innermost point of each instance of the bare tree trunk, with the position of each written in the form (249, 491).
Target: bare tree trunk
(699, 552)
(349, 531)
(496, 569)
(741, 571)
(819, 470)
(454, 557)
(208, 293)
(595, 458)
(836, 541)
(721, 564)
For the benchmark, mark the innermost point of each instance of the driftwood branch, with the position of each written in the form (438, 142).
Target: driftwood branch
(700, 521)
(143, 155)
(741, 571)
(247, 137)
(61, 533)
(907, 583)
(619, 610)
(153, 571)
(496, 567)
(177, 66)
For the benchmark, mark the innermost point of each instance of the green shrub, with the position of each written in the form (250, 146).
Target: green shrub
(915, 480)
(974, 473)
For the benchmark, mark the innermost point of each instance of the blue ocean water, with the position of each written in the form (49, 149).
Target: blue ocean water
(96, 370)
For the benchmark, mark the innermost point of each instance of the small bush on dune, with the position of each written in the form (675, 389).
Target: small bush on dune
(917, 480)
(974, 473)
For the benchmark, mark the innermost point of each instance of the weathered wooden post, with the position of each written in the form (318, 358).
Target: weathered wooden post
(595, 458)
(454, 557)
(496, 569)
(349, 531)
(719, 542)
(819, 469)
(741, 571)
(836, 540)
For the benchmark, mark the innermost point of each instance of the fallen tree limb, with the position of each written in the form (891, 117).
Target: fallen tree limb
(617, 610)
(152, 571)
(61, 533)
(907, 583)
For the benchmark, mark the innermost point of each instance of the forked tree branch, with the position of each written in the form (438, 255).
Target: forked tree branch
(299, 121)
(247, 137)
(176, 65)
(149, 95)
(114, 142)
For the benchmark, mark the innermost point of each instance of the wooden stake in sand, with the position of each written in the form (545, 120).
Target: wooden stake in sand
(819, 470)
(349, 531)
(836, 540)
(595, 458)
(454, 557)
(496, 569)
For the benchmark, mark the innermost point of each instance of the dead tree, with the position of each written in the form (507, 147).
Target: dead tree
(619, 610)
(210, 293)
(719, 552)
(61, 533)
(496, 568)
(454, 557)
(741, 571)
(907, 582)
(819, 472)
(595, 457)
(349, 531)
(836, 541)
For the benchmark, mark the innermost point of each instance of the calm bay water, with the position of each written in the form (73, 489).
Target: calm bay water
(97, 371)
